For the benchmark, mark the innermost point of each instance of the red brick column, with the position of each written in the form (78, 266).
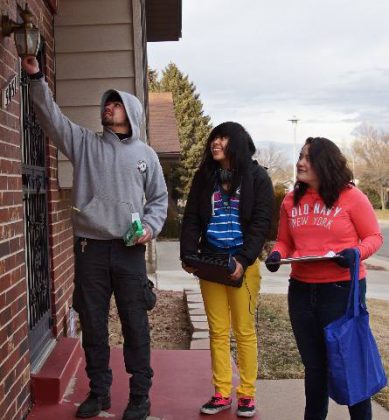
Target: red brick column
(14, 354)
(14, 348)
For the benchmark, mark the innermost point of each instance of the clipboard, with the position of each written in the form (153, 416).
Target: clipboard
(308, 258)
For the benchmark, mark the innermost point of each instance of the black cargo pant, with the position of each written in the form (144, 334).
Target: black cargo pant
(103, 267)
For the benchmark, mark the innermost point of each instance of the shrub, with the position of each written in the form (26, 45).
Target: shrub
(372, 195)
(279, 194)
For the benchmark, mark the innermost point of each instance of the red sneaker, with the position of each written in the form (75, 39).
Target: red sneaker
(246, 407)
(216, 404)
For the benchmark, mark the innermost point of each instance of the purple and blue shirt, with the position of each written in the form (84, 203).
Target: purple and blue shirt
(224, 231)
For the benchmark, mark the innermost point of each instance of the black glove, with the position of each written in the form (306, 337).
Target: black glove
(274, 257)
(347, 258)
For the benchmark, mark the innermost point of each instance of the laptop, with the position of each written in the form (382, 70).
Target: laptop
(215, 267)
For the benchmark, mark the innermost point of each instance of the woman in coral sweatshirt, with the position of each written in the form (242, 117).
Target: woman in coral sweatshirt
(325, 212)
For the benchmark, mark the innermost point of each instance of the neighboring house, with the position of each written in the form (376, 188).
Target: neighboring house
(163, 136)
(88, 46)
(163, 131)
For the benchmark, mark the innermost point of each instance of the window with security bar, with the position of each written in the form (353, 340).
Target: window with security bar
(34, 179)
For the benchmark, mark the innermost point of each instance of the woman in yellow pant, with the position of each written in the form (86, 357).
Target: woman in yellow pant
(229, 210)
(226, 306)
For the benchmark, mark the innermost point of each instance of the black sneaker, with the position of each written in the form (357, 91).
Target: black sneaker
(93, 405)
(137, 409)
(246, 407)
(216, 404)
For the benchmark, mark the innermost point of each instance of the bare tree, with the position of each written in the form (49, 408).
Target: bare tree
(371, 148)
(277, 164)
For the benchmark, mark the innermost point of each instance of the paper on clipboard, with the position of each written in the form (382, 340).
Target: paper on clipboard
(309, 258)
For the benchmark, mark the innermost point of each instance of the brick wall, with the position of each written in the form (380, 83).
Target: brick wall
(14, 348)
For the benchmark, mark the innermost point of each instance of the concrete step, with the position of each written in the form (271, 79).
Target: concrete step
(198, 319)
(49, 384)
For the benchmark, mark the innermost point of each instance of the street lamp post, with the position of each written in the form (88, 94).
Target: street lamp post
(294, 122)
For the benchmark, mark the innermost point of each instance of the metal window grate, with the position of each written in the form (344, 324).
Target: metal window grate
(34, 182)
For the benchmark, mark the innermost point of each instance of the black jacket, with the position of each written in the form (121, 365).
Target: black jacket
(255, 209)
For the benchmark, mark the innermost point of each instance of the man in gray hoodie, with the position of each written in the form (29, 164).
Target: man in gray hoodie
(115, 175)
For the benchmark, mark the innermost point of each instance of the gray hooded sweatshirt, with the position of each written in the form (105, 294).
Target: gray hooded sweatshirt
(112, 178)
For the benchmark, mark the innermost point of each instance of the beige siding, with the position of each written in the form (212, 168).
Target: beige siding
(65, 172)
(139, 30)
(87, 116)
(95, 65)
(93, 12)
(68, 91)
(98, 47)
(140, 56)
(108, 37)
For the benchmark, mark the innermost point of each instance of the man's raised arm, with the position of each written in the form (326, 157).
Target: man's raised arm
(66, 135)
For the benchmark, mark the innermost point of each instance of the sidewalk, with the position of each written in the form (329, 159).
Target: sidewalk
(278, 399)
(182, 383)
(170, 275)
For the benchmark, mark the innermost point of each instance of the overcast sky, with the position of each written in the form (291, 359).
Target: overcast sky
(259, 62)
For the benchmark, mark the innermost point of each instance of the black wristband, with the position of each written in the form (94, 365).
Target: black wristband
(36, 76)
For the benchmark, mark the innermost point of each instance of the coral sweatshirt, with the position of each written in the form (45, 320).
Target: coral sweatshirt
(311, 229)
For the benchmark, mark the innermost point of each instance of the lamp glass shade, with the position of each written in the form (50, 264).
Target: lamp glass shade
(27, 41)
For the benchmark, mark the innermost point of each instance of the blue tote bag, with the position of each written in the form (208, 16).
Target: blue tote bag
(355, 370)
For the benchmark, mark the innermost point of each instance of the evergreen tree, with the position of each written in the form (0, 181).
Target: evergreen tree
(152, 79)
(193, 125)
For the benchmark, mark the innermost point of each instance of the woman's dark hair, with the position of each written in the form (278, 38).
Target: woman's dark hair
(330, 167)
(239, 150)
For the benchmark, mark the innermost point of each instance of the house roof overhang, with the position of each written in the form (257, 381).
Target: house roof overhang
(171, 158)
(163, 20)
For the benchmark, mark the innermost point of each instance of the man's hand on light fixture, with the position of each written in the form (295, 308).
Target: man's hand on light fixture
(30, 65)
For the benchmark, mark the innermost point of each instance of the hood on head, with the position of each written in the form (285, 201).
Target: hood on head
(132, 106)
(113, 97)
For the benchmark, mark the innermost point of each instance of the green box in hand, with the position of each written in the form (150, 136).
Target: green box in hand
(135, 230)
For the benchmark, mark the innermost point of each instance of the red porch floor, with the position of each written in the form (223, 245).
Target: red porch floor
(182, 382)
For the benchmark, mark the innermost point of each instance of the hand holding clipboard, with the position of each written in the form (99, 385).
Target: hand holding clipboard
(331, 255)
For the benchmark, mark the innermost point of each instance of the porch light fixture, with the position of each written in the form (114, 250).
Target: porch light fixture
(27, 36)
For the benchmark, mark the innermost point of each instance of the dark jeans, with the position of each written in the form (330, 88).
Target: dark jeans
(311, 308)
(103, 268)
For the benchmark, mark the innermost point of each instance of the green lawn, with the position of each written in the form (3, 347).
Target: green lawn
(382, 214)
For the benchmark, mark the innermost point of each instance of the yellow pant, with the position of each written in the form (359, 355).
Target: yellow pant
(225, 305)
